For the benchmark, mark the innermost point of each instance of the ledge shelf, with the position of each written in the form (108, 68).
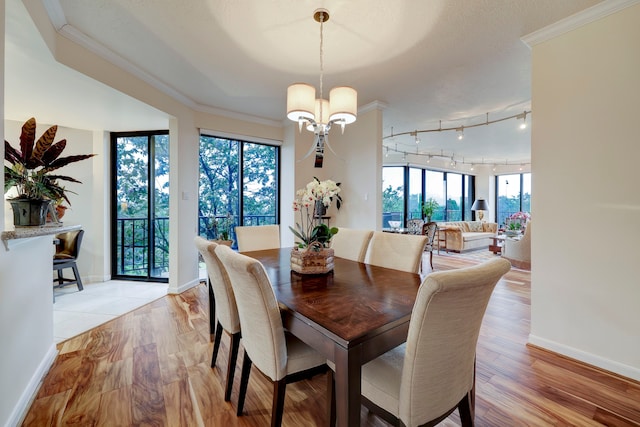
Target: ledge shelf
(27, 232)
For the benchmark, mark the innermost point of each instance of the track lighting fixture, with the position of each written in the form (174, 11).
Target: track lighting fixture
(523, 116)
(415, 135)
(460, 129)
(448, 158)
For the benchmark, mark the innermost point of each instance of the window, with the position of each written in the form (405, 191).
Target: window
(140, 205)
(415, 193)
(514, 195)
(405, 188)
(435, 189)
(225, 203)
(392, 195)
(454, 197)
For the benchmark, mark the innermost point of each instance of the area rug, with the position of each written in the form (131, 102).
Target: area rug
(479, 255)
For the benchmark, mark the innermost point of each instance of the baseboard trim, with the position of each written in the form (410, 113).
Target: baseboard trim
(29, 393)
(173, 290)
(587, 358)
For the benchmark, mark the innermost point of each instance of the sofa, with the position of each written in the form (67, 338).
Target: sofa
(467, 235)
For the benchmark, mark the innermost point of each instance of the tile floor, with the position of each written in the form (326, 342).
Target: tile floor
(75, 312)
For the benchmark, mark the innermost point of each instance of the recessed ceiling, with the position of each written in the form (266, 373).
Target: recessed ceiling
(431, 62)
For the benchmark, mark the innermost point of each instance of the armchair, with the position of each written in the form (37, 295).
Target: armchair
(518, 252)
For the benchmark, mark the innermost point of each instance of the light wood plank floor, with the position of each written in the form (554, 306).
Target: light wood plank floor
(151, 367)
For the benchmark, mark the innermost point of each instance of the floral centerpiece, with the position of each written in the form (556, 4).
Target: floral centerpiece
(312, 254)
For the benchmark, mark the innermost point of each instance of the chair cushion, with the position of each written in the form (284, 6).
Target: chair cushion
(381, 379)
(300, 356)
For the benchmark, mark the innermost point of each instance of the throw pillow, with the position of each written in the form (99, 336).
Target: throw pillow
(475, 226)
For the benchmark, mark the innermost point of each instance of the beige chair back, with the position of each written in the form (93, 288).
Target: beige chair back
(351, 244)
(226, 309)
(257, 238)
(396, 251)
(262, 331)
(441, 344)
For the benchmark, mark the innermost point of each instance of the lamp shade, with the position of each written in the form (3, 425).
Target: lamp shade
(480, 205)
(322, 121)
(301, 101)
(343, 102)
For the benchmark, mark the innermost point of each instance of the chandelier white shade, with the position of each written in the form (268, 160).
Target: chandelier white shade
(301, 101)
(302, 105)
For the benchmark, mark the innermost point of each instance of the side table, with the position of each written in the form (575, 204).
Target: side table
(498, 242)
(441, 238)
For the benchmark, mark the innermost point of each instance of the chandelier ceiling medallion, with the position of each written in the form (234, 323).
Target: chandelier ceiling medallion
(319, 114)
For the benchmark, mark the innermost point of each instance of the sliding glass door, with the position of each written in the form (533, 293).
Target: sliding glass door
(140, 205)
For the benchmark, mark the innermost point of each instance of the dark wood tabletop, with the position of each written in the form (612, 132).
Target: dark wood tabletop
(351, 315)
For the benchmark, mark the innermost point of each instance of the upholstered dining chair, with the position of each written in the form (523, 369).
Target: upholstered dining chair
(351, 244)
(66, 256)
(397, 251)
(424, 380)
(429, 229)
(225, 308)
(256, 238)
(414, 226)
(276, 353)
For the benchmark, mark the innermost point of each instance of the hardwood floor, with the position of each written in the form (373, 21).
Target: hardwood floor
(151, 367)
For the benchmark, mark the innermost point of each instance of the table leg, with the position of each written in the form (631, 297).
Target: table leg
(348, 377)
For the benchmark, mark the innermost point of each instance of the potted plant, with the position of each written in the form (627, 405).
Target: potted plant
(30, 172)
(222, 230)
(429, 207)
(312, 254)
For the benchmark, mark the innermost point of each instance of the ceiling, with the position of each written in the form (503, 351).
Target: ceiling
(431, 63)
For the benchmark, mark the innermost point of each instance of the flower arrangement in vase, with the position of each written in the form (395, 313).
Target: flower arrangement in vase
(312, 254)
(516, 222)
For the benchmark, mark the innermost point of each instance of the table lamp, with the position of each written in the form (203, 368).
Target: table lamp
(480, 205)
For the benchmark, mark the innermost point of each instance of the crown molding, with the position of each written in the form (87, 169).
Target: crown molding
(58, 20)
(577, 20)
(373, 105)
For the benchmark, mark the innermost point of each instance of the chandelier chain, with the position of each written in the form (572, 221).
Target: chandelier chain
(321, 60)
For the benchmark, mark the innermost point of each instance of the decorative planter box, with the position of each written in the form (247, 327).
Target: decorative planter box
(29, 212)
(312, 262)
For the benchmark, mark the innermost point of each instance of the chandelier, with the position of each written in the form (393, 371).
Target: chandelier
(319, 114)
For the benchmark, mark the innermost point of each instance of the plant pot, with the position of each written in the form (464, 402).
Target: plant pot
(321, 209)
(224, 242)
(29, 212)
(312, 262)
(60, 211)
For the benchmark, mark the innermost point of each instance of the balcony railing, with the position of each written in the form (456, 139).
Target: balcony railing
(135, 252)
(439, 215)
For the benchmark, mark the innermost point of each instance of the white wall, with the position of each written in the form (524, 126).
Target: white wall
(585, 282)
(26, 323)
(357, 166)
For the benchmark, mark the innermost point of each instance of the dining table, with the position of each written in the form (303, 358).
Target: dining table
(350, 315)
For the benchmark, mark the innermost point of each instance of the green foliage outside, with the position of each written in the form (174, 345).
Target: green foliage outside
(132, 205)
(219, 189)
